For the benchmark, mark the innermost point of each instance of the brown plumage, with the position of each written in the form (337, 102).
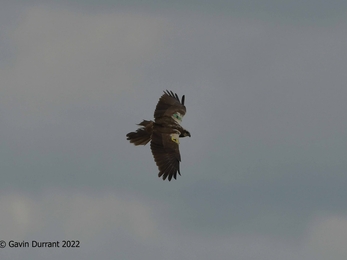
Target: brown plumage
(142, 135)
(164, 134)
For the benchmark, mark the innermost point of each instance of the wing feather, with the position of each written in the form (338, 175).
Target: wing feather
(166, 155)
(168, 104)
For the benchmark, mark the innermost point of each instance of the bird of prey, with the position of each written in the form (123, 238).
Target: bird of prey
(164, 134)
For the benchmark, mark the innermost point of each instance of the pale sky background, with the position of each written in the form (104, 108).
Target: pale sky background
(264, 174)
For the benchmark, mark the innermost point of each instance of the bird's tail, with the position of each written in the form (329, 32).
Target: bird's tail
(142, 135)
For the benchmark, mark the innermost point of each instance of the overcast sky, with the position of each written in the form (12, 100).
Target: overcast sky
(264, 174)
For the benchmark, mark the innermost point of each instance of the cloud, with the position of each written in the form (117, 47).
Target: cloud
(74, 214)
(64, 57)
(107, 222)
(327, 236)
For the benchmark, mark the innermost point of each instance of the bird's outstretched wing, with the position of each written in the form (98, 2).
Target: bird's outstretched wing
(169, 105)
(166, 154)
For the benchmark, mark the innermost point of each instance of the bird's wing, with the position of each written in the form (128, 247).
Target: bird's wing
(169, 105)
(166, 154)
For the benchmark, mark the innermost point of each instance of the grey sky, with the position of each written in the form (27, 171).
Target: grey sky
(264, 173)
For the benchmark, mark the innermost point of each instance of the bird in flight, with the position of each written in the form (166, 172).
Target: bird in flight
(164, 134)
